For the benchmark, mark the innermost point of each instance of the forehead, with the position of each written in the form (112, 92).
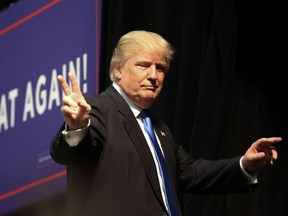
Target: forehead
(148, 57)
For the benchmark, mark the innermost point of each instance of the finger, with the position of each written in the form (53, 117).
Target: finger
(84, 105)
(68, 101)
(74, 83)
(258, 156)
(274, 154)
(267, 142)
(85, 108)
(275, 139)
(262, 159)
(65, 87)
(270, 155)
(272, 161)
(68, 111)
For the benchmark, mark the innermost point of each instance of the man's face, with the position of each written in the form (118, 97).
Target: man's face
(142, 77)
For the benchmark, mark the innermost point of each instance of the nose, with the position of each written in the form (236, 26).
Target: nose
(152, 72)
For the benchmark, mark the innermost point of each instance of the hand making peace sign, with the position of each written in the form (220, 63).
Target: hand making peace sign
(75, 109)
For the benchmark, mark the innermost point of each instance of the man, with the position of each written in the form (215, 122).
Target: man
(113, 167)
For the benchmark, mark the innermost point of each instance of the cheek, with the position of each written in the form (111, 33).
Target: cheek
(136, 80)
(161, 79)
(133, 80)
(131, 84)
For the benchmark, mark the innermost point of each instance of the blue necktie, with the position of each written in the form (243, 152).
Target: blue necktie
(168, 188)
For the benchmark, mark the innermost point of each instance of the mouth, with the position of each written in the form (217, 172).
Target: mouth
(150, 87)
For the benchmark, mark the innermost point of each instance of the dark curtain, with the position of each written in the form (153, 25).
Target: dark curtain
(227, 86)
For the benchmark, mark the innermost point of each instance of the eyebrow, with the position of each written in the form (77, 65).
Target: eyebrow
(161, 65)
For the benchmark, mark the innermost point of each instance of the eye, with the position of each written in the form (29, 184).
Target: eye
(143, 65)
(161, 68)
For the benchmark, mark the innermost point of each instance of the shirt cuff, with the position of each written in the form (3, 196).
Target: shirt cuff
(74, 137)
(252, 179)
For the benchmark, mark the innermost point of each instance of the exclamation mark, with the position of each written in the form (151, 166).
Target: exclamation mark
(85, 85)
(64, 74)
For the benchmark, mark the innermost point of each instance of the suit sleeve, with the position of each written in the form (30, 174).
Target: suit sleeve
(211, 177)
(89, 147)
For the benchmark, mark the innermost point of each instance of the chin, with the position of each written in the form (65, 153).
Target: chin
(146, 103)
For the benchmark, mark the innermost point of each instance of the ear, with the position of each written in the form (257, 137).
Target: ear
(117, 71)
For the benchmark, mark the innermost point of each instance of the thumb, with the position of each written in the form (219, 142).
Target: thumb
(258, 156)
(250, 162)
(83, 104)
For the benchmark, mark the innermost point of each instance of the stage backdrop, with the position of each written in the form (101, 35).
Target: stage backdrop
(40, 39)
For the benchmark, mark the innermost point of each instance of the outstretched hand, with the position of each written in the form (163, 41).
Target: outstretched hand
(75, 109)
(260, 153)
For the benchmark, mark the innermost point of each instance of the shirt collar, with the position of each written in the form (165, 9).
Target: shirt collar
(135, 109)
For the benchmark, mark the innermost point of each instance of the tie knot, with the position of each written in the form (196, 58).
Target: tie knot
(143, 114)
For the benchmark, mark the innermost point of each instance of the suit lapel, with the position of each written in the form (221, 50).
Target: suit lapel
(135, 134)
(142, 148)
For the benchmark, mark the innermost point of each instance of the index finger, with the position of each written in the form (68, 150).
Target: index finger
(65, 87)
(268, 141)
(74, 83)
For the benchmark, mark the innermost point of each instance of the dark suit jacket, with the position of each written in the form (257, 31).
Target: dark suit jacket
(112, 172)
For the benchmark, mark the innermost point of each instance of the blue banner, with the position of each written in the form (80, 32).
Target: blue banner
(40, 39)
